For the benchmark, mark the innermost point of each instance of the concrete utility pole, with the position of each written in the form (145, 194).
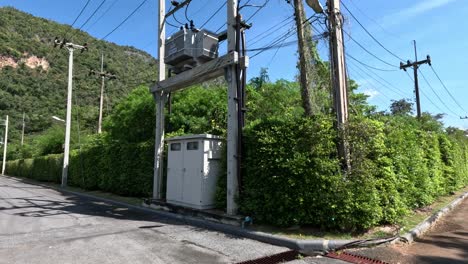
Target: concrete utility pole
(103, 76)
(415, 66)
(5, 144)
(66, 154)
(339, 76)
(22, 131)
(160, 98)
(233, 108)
(304, 57)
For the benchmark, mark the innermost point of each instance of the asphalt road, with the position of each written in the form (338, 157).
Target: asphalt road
(42, 225)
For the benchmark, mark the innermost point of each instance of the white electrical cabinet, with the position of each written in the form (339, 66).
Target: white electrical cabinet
(193, 167)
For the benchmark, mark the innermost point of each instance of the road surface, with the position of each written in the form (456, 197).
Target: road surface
(42, 225)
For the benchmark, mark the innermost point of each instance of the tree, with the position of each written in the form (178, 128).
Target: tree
(401, 107)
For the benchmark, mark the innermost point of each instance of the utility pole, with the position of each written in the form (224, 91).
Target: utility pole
(22, 131)
(415, 66)
(461, 117)
(304, 57)
(103, 76)
(5, 143)
(160, 98)
(233, 109)
(339, 76)
(66, 154)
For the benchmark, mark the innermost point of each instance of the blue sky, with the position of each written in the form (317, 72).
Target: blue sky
(436, 25)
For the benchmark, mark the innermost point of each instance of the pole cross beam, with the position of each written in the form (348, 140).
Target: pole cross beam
(415, 66)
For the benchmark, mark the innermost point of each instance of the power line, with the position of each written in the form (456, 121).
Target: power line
(432, 89)
(370, 34)
(215, 13)
(270, 29)
(374, 21)
(368, 66)
(102, 15)
(258, 10)
(366, 50)
(125, 20)
(91, 16)
(382, 81)
(373, 85)
(447, 90)
(81, 12)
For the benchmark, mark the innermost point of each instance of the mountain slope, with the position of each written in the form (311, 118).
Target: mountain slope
(33, 74)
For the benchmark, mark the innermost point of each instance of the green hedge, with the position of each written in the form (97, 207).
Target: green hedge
(292, 174)
(124, 169)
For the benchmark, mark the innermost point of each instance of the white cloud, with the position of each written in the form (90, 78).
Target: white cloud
(415, 10)
(371, 93)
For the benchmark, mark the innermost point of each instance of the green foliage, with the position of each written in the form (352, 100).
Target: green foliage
(199, 110)
(41, 93)
(133, 119)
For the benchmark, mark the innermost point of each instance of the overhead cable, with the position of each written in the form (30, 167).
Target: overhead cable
(81, 12)
(102, 15)
(438, 97)
(366, 50)
(368, 66)
(370, 34)
(447, 90)
(125, 20)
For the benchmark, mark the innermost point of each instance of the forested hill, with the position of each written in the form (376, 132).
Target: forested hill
(33, 74)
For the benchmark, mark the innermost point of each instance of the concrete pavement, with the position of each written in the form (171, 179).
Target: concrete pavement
(42, 225)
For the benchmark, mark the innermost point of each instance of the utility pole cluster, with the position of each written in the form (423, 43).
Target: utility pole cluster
(71, 47)
(415, 66)
(104, 75)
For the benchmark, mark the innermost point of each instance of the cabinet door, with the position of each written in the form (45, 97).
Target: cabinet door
(193, 156)
(175, 171)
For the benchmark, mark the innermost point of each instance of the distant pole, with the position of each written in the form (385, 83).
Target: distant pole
(103, 76)
(22, 131)
(101, 100)
(66, 153)
(415, 66)
(160, 99)
(5, 143)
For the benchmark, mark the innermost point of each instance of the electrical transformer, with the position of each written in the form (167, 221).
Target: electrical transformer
(189, 48)
(193, 167)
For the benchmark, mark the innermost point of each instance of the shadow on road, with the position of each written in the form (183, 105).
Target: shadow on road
(36, 203)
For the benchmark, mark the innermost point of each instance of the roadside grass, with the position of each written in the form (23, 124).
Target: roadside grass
(417, 216)
(406, 223)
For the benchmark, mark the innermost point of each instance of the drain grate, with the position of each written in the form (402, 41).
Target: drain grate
(354, 258)
(273, 259)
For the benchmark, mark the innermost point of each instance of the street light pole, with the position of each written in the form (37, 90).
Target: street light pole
(66, 153)
(5, 146)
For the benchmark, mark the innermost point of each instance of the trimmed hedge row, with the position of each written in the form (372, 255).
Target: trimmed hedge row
(124, 169)
(292, 173)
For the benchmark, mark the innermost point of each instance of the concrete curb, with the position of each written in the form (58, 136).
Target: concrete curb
(423, 227)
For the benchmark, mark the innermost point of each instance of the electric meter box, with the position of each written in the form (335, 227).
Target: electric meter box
(193, 167)
(189, 48)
